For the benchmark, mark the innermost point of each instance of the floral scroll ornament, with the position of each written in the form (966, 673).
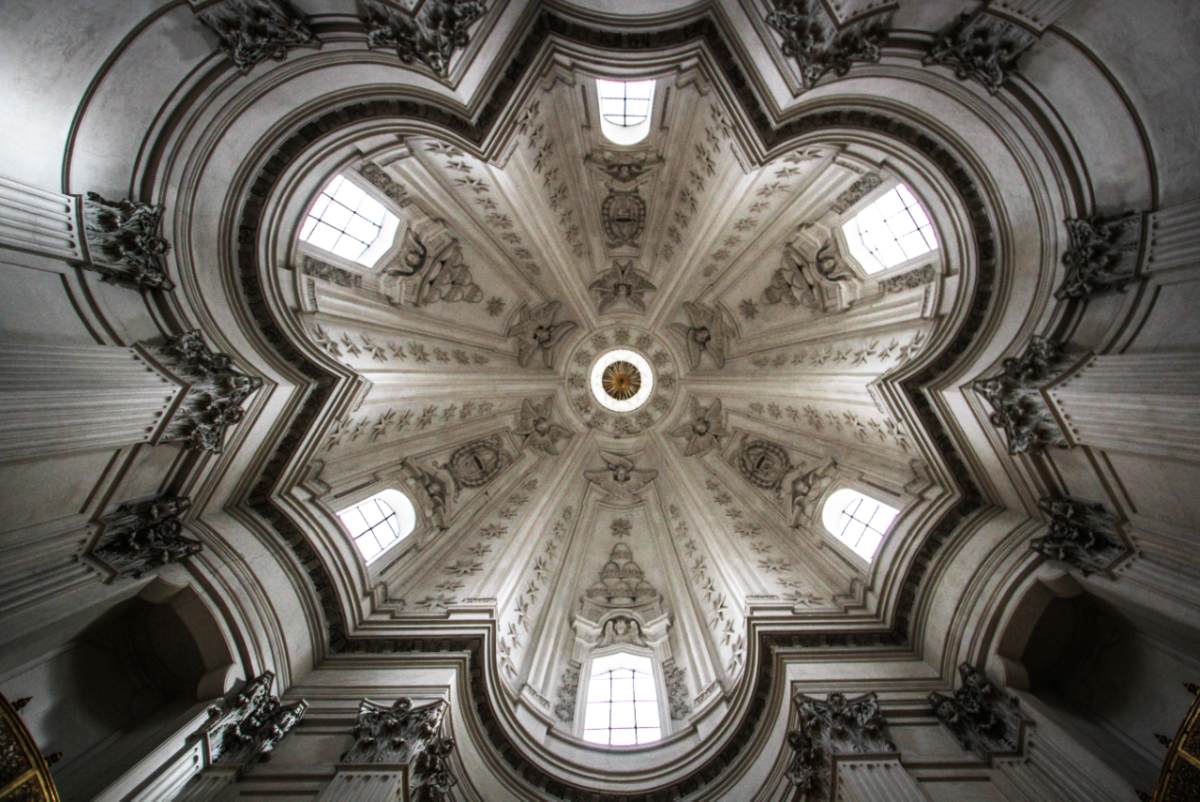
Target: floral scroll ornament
(705, 429)
(535, 330)
(537, 430)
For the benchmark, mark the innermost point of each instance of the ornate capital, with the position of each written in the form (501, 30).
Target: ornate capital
(432, 771)
(536, 332)
(980, 46)
(1082, 534)
(396, 733)
(429, 37)
(251, 31)
(812, 38)
(1014, 394)
(248, 724)
(124, 244)
(983, 719)
(829, 727)
(1102, 256)
(215, 393)
(144, 535)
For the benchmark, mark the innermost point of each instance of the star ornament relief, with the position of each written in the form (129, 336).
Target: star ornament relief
(535, 331)
(704, 430)
(537, 430)
(707, 332)
(621, 282)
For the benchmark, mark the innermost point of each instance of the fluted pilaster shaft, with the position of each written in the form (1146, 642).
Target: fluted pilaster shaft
(64, 398)
(1135, 403)
(32, 219)
(877, 781)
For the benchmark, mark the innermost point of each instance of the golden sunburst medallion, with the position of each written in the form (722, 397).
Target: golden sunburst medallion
(621, 380)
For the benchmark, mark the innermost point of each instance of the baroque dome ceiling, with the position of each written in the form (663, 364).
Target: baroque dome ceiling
(624, 374)
(479, 343)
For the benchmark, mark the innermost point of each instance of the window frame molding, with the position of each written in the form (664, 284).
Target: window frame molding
(840, 547)
(392, 479)
(655, 102)
(387, 488)
(888, 182)
(317, 252)
(660, 688)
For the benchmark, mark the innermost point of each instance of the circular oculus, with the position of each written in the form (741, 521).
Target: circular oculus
(621, 380)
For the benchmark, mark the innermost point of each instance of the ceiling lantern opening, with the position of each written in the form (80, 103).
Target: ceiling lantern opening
(625, 108)
(622, 380)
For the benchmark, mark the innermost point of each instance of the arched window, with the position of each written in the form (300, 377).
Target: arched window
(891, 230)
(346, 221)
(380, 522)
(622, 701)
(625, 110)
(857, 520)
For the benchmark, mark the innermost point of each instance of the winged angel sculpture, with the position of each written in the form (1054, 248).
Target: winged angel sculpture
(708, 332)
(620, 478)
(535, 330)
